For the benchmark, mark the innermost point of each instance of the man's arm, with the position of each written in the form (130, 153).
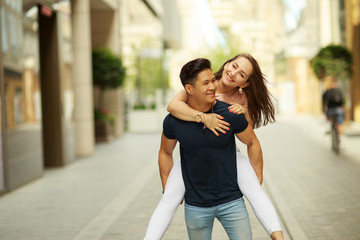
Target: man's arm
(249, 138)
(165, 159)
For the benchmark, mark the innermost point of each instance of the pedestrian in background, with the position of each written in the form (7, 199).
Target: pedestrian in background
(333, 104)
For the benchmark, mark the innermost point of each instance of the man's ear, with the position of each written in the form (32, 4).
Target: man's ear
(188, 89)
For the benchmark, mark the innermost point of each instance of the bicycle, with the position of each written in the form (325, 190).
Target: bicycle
(335, 140)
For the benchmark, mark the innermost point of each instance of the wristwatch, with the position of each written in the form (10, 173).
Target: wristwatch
(198, 117)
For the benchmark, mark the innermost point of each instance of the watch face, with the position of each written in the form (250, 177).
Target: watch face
(198, 118)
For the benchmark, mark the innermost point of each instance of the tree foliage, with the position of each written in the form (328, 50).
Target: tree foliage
(108, 70)
(332, 61)
(152, 74)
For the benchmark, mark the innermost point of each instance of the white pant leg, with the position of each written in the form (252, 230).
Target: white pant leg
(165, 210)
(252, 190)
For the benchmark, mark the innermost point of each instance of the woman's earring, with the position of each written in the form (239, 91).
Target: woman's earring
(240, 90)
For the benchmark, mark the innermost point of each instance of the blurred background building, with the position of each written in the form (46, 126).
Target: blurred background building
(46, 89)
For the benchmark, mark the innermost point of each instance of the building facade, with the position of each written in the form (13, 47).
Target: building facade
(352, 25)
(46, 91)
(324, 22)
(46, 88)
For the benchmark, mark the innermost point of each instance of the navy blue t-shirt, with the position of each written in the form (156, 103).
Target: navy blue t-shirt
(208, 162)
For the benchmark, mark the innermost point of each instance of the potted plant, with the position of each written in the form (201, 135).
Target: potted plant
(104, 125)
(108, 73)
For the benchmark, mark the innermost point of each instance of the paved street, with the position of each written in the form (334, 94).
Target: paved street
(112, 194)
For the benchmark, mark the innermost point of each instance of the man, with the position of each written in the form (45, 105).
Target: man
(333, 102)
(208, 162)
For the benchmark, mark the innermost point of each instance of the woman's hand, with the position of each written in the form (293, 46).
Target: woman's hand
(237, 108)
(215, 123)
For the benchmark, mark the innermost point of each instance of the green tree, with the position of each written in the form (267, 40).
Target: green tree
(150, 76)
(332, 61)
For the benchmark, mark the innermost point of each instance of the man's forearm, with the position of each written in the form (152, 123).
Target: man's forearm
(256, 159)
(165, 165)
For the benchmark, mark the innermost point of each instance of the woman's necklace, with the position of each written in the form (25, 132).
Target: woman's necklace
(230, 97)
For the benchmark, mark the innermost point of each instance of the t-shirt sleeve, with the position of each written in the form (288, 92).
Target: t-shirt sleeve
(167, 127)
(240, 123)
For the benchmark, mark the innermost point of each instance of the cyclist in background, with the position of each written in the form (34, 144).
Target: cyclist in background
(333, 102)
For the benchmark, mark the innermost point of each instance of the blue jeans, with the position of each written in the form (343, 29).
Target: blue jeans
(232, 215)
(340, 114)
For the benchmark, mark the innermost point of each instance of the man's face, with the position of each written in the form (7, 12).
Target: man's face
(205, 87)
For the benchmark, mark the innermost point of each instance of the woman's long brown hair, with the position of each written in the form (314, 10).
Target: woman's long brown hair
(260, 105)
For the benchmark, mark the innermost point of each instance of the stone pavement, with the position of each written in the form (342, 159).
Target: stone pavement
(112, 194)
(320, 189)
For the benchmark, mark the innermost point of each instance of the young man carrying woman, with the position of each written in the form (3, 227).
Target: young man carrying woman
(242, 84)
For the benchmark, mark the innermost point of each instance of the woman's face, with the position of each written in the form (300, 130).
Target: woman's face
(237, 72)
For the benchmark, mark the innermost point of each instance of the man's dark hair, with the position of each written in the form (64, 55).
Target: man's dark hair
(190, 70)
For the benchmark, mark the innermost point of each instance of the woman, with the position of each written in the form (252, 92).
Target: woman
(242, 84)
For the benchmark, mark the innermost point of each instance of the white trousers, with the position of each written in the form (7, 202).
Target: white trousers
(175, 191)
